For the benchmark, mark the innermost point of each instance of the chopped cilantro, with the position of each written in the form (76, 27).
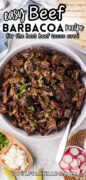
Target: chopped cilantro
(23, 87)
(54, 81)
(31, 108)
(3, 141)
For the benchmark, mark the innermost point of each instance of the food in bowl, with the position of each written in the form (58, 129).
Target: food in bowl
(41, 89)
(74, 161)
(15, 158)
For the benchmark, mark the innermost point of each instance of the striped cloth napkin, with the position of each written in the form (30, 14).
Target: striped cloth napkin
(26, 2)
(50, 2)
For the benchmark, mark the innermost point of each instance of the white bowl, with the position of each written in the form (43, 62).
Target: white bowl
(62, 49)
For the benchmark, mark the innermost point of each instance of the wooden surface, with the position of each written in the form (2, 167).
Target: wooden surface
(76, 13)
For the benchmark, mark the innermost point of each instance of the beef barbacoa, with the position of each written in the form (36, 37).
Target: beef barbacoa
(41, 89)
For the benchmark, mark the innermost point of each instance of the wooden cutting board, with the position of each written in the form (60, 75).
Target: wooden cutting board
(76, 13)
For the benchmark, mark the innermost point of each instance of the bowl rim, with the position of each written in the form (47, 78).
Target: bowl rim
(62, 49)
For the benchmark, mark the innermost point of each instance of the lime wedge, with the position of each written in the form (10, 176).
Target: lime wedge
(9, 174)
(39, 175)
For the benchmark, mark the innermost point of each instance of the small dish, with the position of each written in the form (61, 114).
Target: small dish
(74, 161)
(14, 141)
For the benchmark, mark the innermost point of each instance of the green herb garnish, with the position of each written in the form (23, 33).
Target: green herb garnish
(31, 108)
(36, 67)
(35, 123)
(46, 115)
(3, 141)
(40, 81)
(23, 87)
(54, 81)
(40, 77)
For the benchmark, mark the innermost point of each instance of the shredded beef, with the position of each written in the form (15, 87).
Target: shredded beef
(41, 89)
